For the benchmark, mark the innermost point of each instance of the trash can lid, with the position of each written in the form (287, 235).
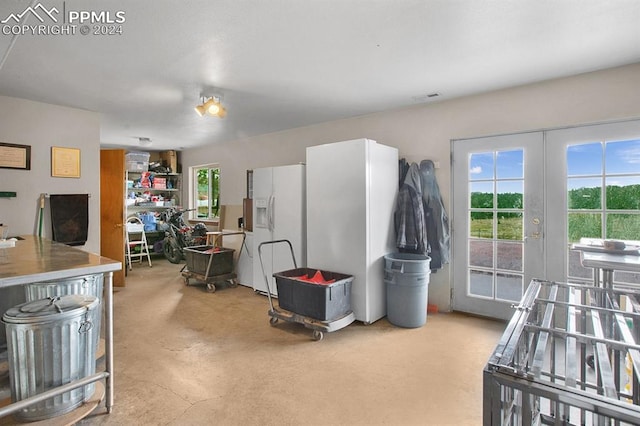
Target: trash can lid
(51, 308)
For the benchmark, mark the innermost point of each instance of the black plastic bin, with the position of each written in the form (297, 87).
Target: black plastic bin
(198, 260)
(325, 302)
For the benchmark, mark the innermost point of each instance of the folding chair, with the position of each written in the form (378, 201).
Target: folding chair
(136, 237)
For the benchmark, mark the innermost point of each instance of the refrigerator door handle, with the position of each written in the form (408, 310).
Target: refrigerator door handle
(270, 210)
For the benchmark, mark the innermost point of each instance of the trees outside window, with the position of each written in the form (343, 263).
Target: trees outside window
(207, 192)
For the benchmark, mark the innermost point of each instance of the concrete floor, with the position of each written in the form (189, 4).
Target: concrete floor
(184, 356)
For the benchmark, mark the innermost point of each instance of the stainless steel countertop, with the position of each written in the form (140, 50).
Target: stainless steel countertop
(36, 259)
(610, 261)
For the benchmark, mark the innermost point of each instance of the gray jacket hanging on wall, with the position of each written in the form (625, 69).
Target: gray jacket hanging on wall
(421, 222)
(411, 232)
(436, 218)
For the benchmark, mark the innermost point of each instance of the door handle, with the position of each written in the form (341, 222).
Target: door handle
(535, 234)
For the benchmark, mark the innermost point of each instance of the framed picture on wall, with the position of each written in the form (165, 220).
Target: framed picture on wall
(13, 156)
(65, 162)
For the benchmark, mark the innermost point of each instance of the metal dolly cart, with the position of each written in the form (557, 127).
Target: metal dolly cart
(207, 274)
(276, 313)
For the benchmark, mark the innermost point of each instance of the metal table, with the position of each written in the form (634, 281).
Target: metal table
(604, 264)
(35, 259)
(538, 375)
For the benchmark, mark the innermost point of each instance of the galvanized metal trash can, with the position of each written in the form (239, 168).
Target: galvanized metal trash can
(88, 284)
(91, 285)
(406, 278)
(51, 342)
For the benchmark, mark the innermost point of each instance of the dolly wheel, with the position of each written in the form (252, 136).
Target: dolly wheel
(186, 281)
(211, 288)
(233, 283)
(317, 335)
(273, 320)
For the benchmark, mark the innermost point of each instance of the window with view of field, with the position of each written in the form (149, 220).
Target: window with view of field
(603, 196)
(206, 192)
(496, 191)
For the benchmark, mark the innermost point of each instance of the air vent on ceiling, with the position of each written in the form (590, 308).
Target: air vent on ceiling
(425, 97)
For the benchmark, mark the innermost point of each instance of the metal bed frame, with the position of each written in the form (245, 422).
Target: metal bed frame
(569, 356)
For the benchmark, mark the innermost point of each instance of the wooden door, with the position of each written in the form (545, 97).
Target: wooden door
(112, 198)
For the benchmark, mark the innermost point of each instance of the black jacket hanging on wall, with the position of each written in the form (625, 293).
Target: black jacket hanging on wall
(70, 218)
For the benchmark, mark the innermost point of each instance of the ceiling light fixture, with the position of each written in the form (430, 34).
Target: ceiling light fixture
(211, 105)
(144, 141)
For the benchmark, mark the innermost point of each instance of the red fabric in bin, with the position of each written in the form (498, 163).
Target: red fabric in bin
(316, 279)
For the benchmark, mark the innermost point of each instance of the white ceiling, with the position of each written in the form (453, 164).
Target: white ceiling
(282, 64)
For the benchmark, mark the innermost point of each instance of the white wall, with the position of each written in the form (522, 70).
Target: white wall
(425, 132)
(43, 126)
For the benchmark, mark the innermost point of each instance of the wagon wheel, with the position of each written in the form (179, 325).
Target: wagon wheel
(317, 335)
(186, 281)
(273, 321)
(211, 287)
(233, 283)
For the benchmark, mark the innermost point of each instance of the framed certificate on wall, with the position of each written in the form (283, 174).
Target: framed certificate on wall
(65, 162)
(13, 156)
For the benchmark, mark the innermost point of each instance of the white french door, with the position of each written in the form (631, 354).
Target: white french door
(498, 221)
(597, 195)
(572, 183)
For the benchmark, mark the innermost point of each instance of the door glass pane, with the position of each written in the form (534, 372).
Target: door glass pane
(617, 183)
(481, 253)
(481, 166)
(480, 283)
(481, 195)
(509, 287)
(575, 268)
(584, 159)
(623, 193)
(626, 277)
(584, 193)
(510, 226)
(622, 157)
(481, 224)
(584, 225)
(510, 194)
(509, 256)
(623, 226)
(496, 215)
(510, 164)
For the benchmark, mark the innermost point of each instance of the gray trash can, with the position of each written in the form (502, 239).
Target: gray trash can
(50, 342)
(406, 278)
(91, 285)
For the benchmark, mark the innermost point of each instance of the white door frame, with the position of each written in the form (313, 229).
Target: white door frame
(553, 246)
(533, 217)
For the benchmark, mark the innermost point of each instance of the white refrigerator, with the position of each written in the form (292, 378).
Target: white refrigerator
(279, 212)
(351, 195)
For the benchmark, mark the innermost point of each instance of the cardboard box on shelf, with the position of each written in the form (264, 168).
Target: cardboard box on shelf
(170, 160)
